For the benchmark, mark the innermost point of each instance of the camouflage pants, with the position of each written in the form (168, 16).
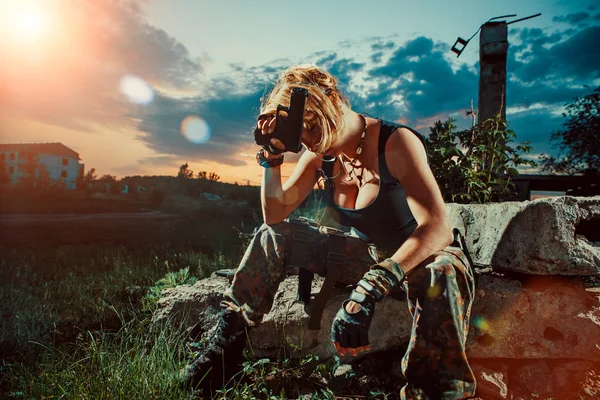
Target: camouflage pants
(439, 291)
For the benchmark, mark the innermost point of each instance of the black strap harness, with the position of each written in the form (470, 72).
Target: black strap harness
(303, 237)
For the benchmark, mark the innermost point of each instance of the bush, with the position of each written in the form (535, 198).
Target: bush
(475, 165)
(157, 197)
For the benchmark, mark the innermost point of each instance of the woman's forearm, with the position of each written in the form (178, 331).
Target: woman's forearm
(424, 241)
(271, 196)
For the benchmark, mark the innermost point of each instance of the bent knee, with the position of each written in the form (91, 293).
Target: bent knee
(439, 265)
(443, 264)
(280, 227)
(277, 233)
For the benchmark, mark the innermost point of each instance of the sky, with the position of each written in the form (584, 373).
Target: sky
(139, 87)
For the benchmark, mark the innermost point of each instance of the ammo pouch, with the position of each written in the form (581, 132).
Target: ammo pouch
(338, 262)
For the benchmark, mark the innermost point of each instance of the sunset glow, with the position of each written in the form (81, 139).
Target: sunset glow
(31, 24)
(170, 89)
(25, 22)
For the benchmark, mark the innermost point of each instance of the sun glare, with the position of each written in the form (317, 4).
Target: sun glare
(25, 21)
(30, 23)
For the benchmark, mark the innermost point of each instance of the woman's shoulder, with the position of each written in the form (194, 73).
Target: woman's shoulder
(399, 132)
(408, 142)
(393, 125)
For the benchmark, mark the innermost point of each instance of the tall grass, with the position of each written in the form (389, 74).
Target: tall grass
(138, 362)
(134, 362)
(51, 299)
(77, 330)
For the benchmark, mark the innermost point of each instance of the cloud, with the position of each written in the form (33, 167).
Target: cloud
(382, 45)
(343, 69)
(546, 71)
(160, 160)
(420, 72)
(576, 57)
(90, 46)
(536, 36)
(575, 18)
(416, 81)
(525, 95)
(229, 115)
(535, 126)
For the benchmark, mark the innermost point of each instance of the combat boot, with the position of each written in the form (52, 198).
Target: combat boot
(222, 357)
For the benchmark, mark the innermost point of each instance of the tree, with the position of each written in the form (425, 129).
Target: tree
(185, 172)
(157, 197)
(106, 178)
(475, 165)
(86, 181)
(60, 185)
(109, 183)
(201, 175)
(579, 140)
(115, 188)
(209, 176)
(213, 177)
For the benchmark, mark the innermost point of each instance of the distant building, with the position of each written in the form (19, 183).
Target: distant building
(28, 160)
(127, 189)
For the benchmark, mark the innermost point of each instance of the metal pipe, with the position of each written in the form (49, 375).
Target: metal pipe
(523, 19)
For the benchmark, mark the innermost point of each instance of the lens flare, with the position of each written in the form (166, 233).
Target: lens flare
(136, 89)
(434, 291)
(195, 129)
(481, 323)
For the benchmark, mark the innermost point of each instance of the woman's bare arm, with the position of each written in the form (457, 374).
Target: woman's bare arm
(407, 161)
(279, 200)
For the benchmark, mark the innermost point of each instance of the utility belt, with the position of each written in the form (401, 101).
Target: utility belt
(341, 260)
(338, 256)
(338, 249)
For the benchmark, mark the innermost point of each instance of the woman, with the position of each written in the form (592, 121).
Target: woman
(379, 182)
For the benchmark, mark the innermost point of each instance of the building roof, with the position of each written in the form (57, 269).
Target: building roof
(56, 149)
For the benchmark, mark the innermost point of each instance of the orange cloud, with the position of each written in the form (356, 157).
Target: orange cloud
(71, 76)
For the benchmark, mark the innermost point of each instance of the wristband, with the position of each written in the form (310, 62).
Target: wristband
(392, 266)
(265, 162)
(371, 289)
(382, 278)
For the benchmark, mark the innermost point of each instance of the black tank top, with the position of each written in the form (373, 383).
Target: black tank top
(387, 221)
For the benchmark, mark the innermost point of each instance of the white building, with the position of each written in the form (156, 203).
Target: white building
(27, 159)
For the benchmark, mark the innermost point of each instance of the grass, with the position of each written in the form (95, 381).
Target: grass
(142, 363)
(55, 295)
(68, 202)
(72, 317)
(130, 363)
(76, 300)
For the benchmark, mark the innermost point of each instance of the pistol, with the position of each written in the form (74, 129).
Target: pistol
(288, 126)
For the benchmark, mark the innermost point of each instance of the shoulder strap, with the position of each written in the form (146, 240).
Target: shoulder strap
(385, 132)
(327, 168)
(388, 127)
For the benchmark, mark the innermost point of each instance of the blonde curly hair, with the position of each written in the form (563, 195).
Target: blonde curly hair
(323, 108)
